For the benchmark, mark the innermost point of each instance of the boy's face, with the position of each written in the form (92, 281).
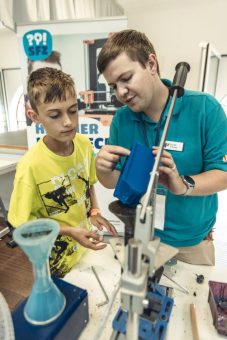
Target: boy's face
(132, 83)
(59, 118)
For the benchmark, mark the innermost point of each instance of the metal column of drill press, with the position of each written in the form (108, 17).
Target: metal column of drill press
(136, 287)
(134, 279)
(145, 308)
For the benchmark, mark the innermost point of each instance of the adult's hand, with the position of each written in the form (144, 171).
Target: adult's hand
(168, 173)
(105, 162)
(109, 156)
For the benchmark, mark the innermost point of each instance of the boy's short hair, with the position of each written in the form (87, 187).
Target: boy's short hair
(48, 84)
(135, 44)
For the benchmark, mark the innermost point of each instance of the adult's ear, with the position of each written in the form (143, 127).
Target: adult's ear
(33, 115)
(152, 63)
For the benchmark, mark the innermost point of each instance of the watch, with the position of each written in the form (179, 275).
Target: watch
(190, 184)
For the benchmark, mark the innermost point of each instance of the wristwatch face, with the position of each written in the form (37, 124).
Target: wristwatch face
(190, 183)
(189, 180)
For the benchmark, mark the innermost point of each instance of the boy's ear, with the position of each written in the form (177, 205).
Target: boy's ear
(152, 63)
(33, 115)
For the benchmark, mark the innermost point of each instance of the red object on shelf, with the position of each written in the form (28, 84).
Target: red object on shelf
(88, 96)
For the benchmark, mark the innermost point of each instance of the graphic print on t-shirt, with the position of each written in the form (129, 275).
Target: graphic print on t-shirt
(57, 199)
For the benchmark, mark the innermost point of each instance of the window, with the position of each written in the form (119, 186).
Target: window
(209, 67)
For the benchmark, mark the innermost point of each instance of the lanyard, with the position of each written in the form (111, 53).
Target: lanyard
(158, 128)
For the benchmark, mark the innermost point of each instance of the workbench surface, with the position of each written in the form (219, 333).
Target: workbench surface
(108, 270)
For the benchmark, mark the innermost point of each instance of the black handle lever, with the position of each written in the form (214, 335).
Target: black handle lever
(179, 80)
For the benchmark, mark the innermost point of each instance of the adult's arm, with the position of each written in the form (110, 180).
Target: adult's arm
(206, 183)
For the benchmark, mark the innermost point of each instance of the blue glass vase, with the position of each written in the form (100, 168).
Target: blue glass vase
(45, 302)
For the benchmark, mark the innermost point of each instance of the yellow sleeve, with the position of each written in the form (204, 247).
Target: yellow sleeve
(21, 204)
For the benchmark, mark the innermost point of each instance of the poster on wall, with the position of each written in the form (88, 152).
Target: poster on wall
(74, 47)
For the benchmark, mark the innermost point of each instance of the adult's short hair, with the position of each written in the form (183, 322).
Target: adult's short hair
(134, 43)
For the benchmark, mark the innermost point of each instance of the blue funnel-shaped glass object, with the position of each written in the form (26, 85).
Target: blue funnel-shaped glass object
(45, 302)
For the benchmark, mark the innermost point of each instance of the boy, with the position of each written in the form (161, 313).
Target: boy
(193, 169)
(55, 178)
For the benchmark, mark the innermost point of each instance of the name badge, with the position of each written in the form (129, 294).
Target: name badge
(174, 146)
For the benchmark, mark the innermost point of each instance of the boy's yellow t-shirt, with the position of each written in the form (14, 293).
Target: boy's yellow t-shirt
(47, 185)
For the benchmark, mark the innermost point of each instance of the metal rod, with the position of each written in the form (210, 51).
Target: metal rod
(154, 173)
(101, 286)
(4, 232)
(181, 287)
(132, 327)
(134, 257)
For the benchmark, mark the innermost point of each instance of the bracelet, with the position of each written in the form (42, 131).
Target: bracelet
(94, 212)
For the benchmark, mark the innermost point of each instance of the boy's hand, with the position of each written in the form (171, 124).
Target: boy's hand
(88, 239)
(99, 221)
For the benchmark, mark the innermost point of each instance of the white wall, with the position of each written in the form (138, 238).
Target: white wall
(176, 27)
(9, 56)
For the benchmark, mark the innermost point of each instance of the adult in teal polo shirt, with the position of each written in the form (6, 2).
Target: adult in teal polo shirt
(197, 136)
(199, 123)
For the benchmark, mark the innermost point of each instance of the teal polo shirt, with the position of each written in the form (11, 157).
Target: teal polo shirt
(200, 123)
